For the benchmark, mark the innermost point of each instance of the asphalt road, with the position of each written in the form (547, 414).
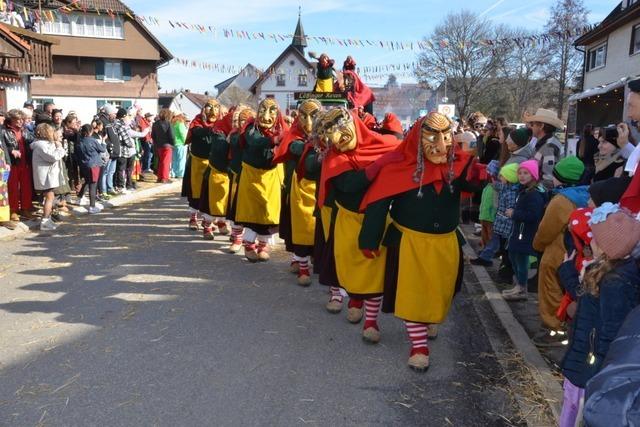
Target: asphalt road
(128, 318)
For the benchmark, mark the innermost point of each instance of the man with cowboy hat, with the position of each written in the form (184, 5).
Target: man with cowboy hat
(544, 124)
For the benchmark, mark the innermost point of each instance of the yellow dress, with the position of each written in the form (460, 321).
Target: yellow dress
(302, 202)
(425, 286)
(357, 274)
(198, 167)
(259, 195)
(218, 192)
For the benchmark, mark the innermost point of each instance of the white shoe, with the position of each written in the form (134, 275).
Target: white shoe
(95, 210)
(84, 201)
(99, 205)
(47, 224)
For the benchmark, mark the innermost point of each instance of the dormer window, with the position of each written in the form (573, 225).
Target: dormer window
(85, 25)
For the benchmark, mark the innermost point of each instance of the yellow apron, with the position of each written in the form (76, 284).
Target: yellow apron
(198, 167)
(325, 216)
(233, 185)
(357, 274)
(324, 85)
(427, 273)
(218, 192)
(259, 195)
(303, 202)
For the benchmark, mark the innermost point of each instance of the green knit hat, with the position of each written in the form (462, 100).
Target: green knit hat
(569, 170)
(510, 173)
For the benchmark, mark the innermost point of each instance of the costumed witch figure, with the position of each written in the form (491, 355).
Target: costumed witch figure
(421, 194)
(354, 158)
(358, 93)
(215, 181)
(325, 74)
(297, 223)
(199, 142)
(259, 191)
(241, 116)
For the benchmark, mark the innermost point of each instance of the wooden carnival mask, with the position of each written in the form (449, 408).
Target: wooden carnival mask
(339, 131)
(243, 113)
(436, 138)
(267, 113)
(307, 112)
(211, 110)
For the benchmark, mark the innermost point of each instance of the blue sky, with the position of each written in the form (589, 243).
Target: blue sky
(372, 19)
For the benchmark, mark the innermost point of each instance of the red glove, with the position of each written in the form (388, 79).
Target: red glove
(374, 168)
(370, 253)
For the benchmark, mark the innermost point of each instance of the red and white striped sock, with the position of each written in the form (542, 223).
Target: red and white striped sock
(248, 246)
(236, 234)
(262, 246)
(193, 217)
(371, 310)
(303, 262)
(335, 294)
(206, 227)
(418, 336)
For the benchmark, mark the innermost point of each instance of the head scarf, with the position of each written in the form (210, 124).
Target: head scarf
(361, 94)
(581, 234)
(396, 178)
(281, 153)
(370, 146)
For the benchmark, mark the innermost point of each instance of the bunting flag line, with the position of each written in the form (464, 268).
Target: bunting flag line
(32, 18)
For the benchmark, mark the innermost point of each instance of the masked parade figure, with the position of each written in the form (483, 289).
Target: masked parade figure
(199, 143)
(325, 74)
(421, 194)
(354, 158)
(241, 116)
(215, 180)
(259, 190)
(297, 222)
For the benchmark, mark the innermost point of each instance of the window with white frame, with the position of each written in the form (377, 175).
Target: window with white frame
(302, 79)
(281, 79)
(597, 57)
(85, 25)
(113, 71)
(635, 40)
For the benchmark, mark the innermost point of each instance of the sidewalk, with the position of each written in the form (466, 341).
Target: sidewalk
(522, 322)
(145, 190)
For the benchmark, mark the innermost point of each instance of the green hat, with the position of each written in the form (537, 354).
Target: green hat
(510, 172)
(569, 170)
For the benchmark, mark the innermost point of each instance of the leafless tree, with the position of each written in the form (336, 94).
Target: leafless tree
(564, 62)
(456, 57)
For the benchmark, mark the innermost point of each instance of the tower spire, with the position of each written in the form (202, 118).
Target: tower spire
(299, 39)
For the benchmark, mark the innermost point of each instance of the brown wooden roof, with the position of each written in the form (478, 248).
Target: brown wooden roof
(36, 58)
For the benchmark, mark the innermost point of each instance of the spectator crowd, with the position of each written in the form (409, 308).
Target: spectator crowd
(49, 160)
(572, 222)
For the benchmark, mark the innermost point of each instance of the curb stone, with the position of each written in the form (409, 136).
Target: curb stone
(544, 378)
(27, 226)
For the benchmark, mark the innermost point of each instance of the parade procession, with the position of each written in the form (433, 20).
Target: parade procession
(452, 239)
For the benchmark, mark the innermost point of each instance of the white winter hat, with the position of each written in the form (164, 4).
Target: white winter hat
(110, 109)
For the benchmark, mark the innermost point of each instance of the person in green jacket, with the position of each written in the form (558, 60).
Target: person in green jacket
(179, 158)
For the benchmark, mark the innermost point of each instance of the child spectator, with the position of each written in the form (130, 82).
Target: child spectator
(507, 188)
(550, 241)
(89, 157)
(47, 155)
(525, 216)
(488, 204)
(518, 146)
(609, 291)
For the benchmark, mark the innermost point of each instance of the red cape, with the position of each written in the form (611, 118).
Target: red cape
(371, 146)
(396, 178)
(198, 122)
(225, 124)
(361, 94)
(281, 153)
(631, 197)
